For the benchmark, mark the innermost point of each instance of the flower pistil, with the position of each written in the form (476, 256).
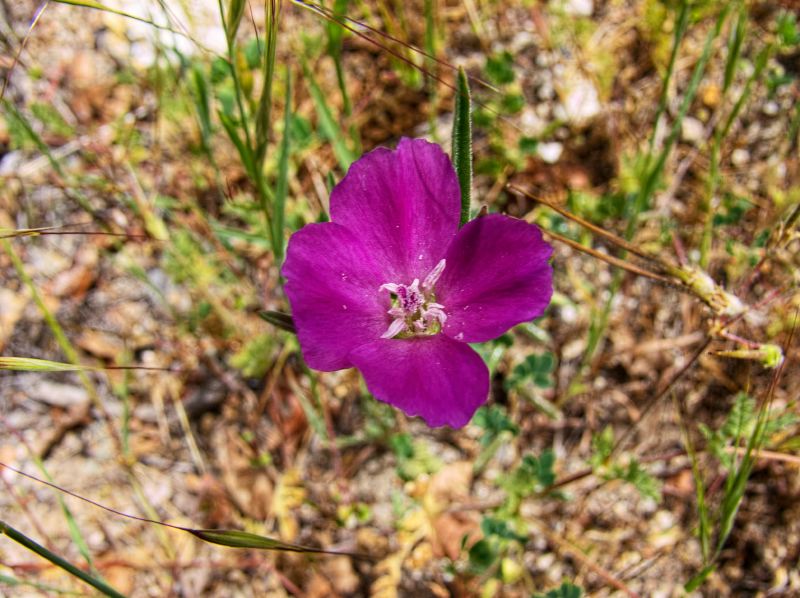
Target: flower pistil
(414, 307)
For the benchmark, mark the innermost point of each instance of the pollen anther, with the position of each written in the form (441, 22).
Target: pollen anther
(414, 308)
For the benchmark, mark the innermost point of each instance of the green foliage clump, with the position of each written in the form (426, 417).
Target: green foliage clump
(565, 590)
(740, 424)
(255, 357)
(630, 471)
(536, 369)
(414, 457)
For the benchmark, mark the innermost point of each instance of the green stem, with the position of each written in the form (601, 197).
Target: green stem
(43, 552)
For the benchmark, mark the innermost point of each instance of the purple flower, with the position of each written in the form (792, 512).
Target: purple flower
(393, 287)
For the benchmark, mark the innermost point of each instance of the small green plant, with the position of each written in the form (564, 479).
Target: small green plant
(536, 369)
(565, 590)
(414, 457)
(629, 471)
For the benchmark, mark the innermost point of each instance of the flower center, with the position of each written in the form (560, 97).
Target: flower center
(414, 307)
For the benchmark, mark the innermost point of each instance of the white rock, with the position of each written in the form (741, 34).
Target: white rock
(581, 101)
(550, 151)
(771, 108)
(692, 130)
(577, 8)
(740, 156)
(532, 124)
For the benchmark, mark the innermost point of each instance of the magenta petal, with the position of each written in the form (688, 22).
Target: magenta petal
(435, 377)
(403, 205)
(332, 284)
(497, 276)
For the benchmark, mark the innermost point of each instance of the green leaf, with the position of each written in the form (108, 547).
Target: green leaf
(737, 36)
(263, 114)
(531, 475)
(330, 128)
(240, 539)
(788, 33)
(698, 580)
(565, 590)
(103, 7)
(536, 369)
(639, 478)
(414, 458)
(282, 185)
(280, 320)
(481, 555)
(244, 151)
(494, 421)
(462, 142)
(491, 526)
(499, 68)
(29, 364)
(602, 446)
(233, 18)
(14, 582)
(59, 562)
(202, 101)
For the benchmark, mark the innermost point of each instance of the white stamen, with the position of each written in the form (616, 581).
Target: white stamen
(413, 309)
(434, 275)
(395, 328)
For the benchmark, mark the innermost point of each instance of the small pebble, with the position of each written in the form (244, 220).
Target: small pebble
(692, 130)
(740, 156)
(550, 151)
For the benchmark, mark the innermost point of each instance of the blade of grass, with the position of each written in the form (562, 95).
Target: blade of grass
(350, 23)
(679, 33)
(29, 364)
(652, 176)
(703, 514)
(721, 132)
(233, 19)
(97, 6)
(241, 146)
(735, 47)
(34, 21)
(282, 185)
(263, 121)
(240, 539)
(14, 582)
(330, 128)
(462, 142)
(76, 196)
(61, 339)
(58, 561)
(223, 537)
(279, 320)
(335, 35)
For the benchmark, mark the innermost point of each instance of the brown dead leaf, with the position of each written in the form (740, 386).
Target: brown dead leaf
(449, 484)
(289, 495)
(248, 486)
(372, 542)
(214, 502)
(681, 484)
(78, 279)
(121, 577)
(101, 344)
(450, 529)
(339, 570)
(12, 305)
(319, 587)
